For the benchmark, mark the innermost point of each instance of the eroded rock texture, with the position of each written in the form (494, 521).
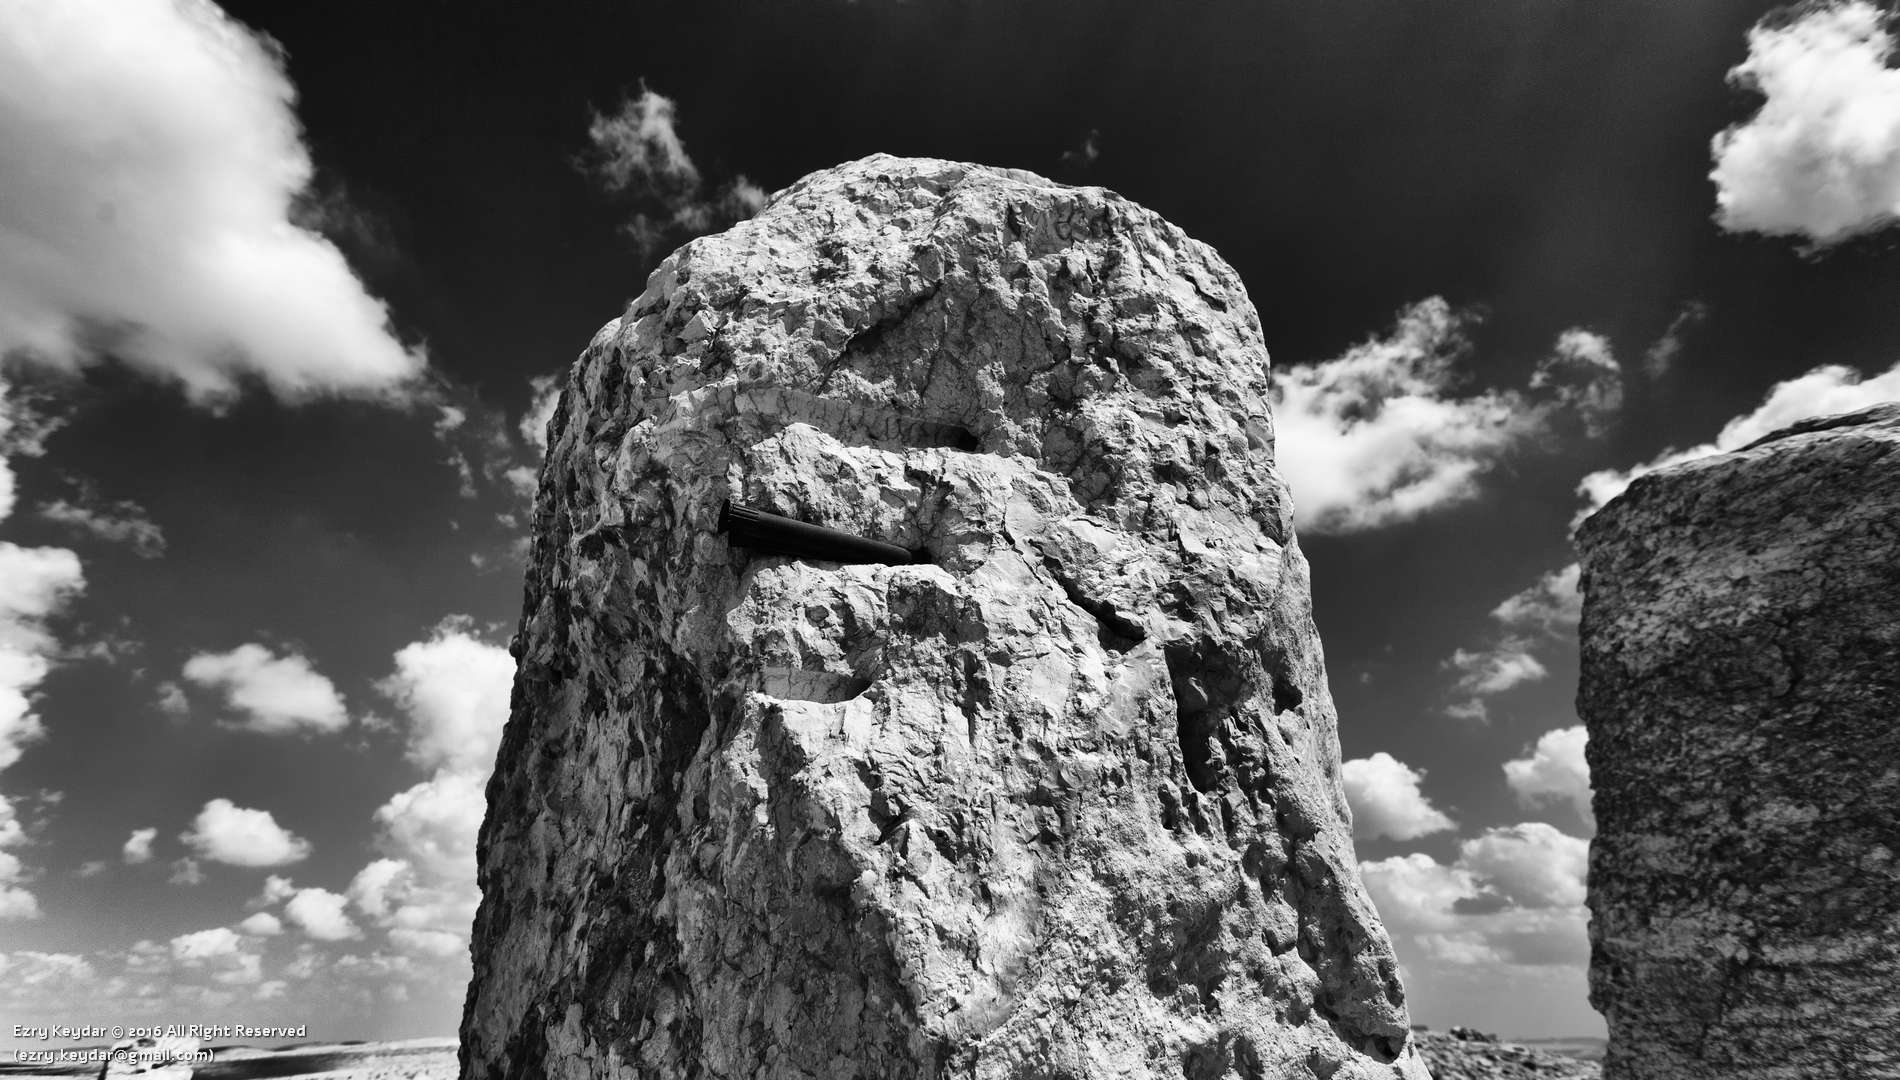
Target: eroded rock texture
(1062, 804)
(1741, 683)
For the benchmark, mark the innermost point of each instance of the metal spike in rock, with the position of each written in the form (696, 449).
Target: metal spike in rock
(778, 535)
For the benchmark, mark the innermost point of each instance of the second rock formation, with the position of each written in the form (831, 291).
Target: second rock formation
(1741, 683)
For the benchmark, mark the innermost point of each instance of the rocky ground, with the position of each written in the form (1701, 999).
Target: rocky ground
(1464, 1054)
(1460, 1054)
(417, 1059)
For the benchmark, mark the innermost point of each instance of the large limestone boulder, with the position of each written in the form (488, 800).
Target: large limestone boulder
(1063, 802)
(1741, 684)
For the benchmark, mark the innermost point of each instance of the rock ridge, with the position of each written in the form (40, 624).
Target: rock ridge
(1062, 802)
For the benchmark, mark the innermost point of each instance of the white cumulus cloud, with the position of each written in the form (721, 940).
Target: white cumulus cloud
(153, 161)
(454, 688)
(1824, 391)
(227, 833)
(1821, 158)
(320, 914)
(262, 924)
(278, 695)
(1532, 865)
(1386, 801)
(205, 945)
(1555, 770)
(138, 846)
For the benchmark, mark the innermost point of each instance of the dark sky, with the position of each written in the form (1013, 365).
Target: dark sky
(1541, 166)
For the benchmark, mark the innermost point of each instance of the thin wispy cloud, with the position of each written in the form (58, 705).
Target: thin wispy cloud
(1820, 160)
(154, 158)
(1660, 358)
(1537, 618)
(115, 521)
(636, 152)
(545, 397)
(1086, 154)
(1582, 372)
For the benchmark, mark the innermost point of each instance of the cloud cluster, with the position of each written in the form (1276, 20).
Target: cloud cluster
(1821, 158)
(636, 152)
(1527, 621)
(413, 904)
(227, 833)
(153, 160)
(454, 689)
(278, 695)
(35, 585)
(1382, 434)
(1555, 770)
(1513, 897)
(1386, 801)
(1823, 391)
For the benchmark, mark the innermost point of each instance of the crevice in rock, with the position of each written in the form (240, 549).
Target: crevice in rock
(1115, 631)
(871, 338)
(1206, 687)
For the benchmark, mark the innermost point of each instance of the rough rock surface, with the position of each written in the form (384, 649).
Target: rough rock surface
(1741, 684)
(1063, 803)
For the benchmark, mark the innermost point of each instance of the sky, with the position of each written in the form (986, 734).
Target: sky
(287, 291)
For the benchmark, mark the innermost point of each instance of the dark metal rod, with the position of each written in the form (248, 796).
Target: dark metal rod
(753, 528)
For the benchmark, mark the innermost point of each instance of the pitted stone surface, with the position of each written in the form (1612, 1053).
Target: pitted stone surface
(1064, 803)
(1741, 685)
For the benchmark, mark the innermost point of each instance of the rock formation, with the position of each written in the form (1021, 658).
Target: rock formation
(1741, 684)
(1464, 1054)
(1062, 802)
